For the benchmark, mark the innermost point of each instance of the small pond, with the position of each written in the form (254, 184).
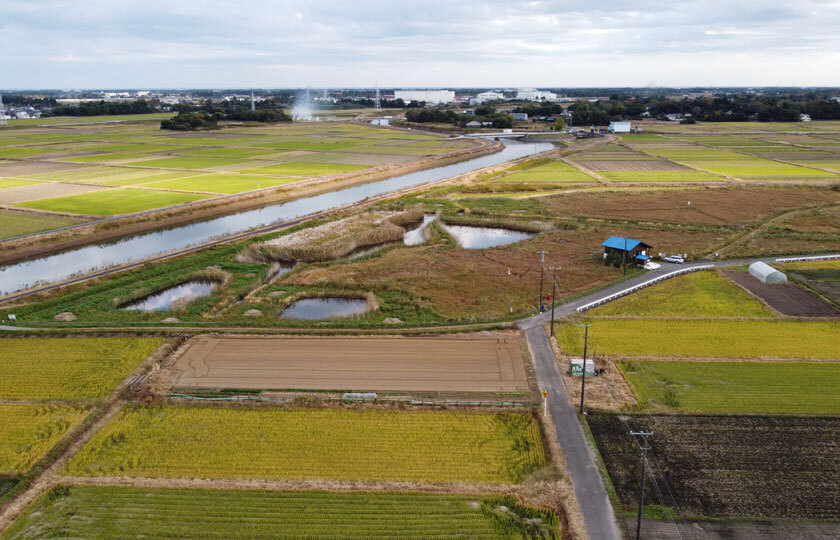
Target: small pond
(420, 234)
(282, 270)
(162, 300)
(485, 237)
(314, 309)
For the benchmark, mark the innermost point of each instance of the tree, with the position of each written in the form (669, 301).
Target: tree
(559, 124)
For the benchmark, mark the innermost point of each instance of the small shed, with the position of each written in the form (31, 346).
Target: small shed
(766, 273)
(474, 124)
(636, 249)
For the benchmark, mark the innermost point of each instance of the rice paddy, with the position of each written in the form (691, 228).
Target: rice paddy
(113, 202)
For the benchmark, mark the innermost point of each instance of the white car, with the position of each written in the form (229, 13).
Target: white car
(676, 259)
(650, 265)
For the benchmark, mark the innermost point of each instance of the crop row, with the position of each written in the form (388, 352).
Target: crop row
(215, 442)
(119, 512)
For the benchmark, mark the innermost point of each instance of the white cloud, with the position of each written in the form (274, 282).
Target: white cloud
(178, 43)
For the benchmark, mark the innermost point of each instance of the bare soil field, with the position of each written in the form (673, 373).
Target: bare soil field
(22, 168)
(786, 298)
(493, 363)
(632, 165)
(729, 466)
(737, 530)
(44, 191)
(709, 206)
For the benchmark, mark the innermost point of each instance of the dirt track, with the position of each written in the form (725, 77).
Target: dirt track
(478, 364)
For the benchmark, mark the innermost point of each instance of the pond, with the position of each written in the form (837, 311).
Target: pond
(420, 234)
(314, 309)
(469, 237)
(162, 300)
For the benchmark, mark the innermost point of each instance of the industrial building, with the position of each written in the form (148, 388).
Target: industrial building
(532, 94)
(429, 96)
(620, 127)
(484, 97)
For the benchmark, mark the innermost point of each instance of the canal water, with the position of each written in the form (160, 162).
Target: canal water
(61, 266)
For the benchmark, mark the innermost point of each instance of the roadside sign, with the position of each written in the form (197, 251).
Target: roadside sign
(545, 394)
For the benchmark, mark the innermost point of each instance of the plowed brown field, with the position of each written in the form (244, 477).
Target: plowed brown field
(475, 364)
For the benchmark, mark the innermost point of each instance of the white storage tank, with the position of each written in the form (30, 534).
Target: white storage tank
(766, 273)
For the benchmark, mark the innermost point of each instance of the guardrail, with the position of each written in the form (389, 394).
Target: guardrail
(808, 258)
(642, 285)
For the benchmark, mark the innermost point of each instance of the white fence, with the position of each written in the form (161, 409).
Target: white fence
(642, 285)
(809, 258)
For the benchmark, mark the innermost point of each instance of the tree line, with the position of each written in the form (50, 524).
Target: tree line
(209, 114)
(448, 116)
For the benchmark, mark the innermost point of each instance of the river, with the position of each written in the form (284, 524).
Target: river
(60, 266)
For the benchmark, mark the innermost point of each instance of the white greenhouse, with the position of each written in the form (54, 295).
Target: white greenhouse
(766, 273)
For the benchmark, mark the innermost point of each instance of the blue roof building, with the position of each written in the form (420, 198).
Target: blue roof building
(635, 249)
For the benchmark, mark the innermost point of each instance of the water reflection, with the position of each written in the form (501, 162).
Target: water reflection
(313, 309)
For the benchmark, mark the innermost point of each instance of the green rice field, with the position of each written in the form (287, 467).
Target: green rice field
(736, 387)
(112, 202)
(129, 512)
(6, 183)
(300, 168)
(20, 223)
(660, 176)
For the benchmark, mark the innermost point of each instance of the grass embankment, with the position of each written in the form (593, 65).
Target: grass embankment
(19, 223)
(706, 338)
(125, 512)
(217, 442)
(68, 368)
(736, 387)
(29, 430)
(701, 294)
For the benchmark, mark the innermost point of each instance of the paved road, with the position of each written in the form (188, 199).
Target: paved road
(598, 516)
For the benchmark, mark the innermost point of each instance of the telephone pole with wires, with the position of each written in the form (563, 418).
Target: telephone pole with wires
(644, 447)
(542, 253)
(554, 270)
(583, 371)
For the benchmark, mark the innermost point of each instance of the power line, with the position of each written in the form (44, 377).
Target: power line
(644, 447)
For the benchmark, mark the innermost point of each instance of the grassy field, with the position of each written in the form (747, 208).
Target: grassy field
(127, 512)
(553, 171)
(736, 387)
(19, 223)
(222, 183)
(701, 294)
(706, 338)
(216, 442)
(28, 431)
(300, 168)
(188, 162)
(14, 182)
(113, 202)
(68, 368)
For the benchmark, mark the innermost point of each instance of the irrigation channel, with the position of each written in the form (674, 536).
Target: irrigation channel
(62, 266)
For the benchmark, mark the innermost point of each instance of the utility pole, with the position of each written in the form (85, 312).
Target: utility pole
(644, 446)
(583, 372)
(554, 270)
(542, 253)
(624, 256)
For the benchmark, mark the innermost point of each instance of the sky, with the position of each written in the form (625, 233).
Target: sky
(64, 44)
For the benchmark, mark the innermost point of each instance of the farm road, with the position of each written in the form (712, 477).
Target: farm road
(598, 516)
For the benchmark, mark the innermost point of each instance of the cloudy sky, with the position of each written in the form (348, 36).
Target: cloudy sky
(491, 43)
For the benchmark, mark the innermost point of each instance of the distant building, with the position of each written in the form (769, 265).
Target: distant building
(674, 117)
(531, 94)
(474, 124)
(484, 97)
(519, 116)
(620, 127)
(429, 96)
(804, 117)
(636, 249)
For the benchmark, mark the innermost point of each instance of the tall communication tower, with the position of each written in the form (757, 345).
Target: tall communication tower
(253, 106)
(377, 105)
(3, 121)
